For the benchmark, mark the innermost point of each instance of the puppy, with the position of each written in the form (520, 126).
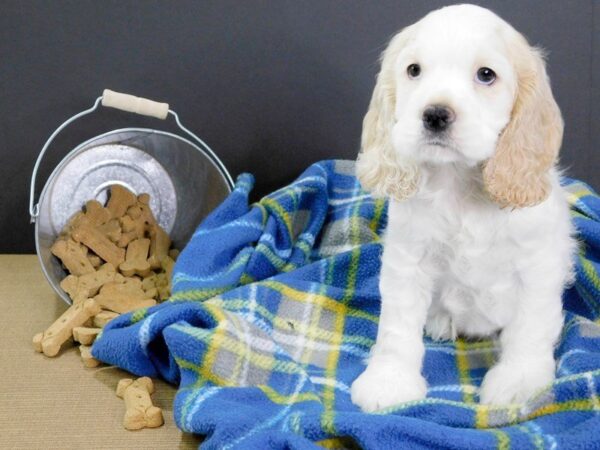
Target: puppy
(462, 135)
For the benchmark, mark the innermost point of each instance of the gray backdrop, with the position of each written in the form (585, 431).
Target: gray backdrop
(270, 85)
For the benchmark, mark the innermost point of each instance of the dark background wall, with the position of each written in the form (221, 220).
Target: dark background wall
(270, 85)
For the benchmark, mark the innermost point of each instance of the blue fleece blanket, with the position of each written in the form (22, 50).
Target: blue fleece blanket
(275, 307)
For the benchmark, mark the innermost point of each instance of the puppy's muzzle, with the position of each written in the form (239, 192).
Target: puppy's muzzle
(437, 118)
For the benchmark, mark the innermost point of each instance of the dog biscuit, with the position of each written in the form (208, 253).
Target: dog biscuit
(136, 259)
(140, 412)
(88, 285)
(147, 215)
(144, 199)
(152, 293)
(99, 244)
(149, 286)
(94, 260)
(71, 255)
(86, 356)
(103, 317)
(163, 286)
(71, 224)
(111, 229)
(167, 265)
(132, 229)
(144, 205)
(120, 200)
(62, 329)
(123, 297)
(135, 212)
(149, 282)
(37, 342)
(85, 335)
(159, 248)
(95, 213)
(69, 285)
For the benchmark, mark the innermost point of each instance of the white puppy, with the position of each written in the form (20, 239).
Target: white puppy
(462, 134)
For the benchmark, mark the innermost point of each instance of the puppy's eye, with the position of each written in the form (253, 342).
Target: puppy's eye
(485, 75)
(413, 71)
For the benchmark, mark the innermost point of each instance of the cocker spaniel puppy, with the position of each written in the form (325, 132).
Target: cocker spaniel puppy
(462, 135)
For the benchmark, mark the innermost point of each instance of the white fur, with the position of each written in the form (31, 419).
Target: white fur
(455, 262)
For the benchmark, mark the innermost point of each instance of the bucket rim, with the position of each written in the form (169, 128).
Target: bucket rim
(62, 294)
(223, 171)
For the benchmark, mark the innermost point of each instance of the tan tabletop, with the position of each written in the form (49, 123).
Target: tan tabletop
(56, 403)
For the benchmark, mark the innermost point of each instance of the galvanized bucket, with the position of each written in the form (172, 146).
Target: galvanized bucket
(185, 178)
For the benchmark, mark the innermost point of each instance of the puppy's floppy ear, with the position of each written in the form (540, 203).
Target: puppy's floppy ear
(379, 170)
(517, 175)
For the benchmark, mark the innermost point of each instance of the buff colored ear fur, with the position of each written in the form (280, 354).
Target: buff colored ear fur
(379, 170)
(517, 175)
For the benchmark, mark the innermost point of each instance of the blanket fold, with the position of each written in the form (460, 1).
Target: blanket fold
(275, 307)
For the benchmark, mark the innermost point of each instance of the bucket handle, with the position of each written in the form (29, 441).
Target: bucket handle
(128, 103)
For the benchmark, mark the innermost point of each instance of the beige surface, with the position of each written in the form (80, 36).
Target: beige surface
(56, 402)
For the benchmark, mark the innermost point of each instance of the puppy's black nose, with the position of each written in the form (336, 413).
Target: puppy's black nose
(437, 118)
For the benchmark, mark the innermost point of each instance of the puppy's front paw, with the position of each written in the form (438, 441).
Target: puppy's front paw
(515, 383)
(439, 327)
(381, 386)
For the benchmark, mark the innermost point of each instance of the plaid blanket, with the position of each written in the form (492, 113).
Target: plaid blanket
(275, 307)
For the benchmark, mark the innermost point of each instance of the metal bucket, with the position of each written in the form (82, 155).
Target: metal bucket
(185, 179)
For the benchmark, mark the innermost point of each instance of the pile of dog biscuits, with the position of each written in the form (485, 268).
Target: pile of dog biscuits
(118, 258)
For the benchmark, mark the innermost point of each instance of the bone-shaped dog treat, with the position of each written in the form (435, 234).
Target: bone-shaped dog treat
(112, 230)
(164, 292)
(149, 282)
(123, 297)
(120, 200)
(37, 342)
(149, 286)
(72, 223)
(167, 265)
(69, 285)
(144, 199)
(95, 260)
(88, 285)
(96, 214)
(159, 247)
(161, 280)
(135, 212)
(103, 317)
(132, 229)
(136, 259)
(62, 329)
(129, 224)
(140, 412)
(147, 215)
(86, 356)
(71, 255)
(124, 302)
(163, 286)
(152, 293)
(131, 284)
(99, 244)
(85, 335)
